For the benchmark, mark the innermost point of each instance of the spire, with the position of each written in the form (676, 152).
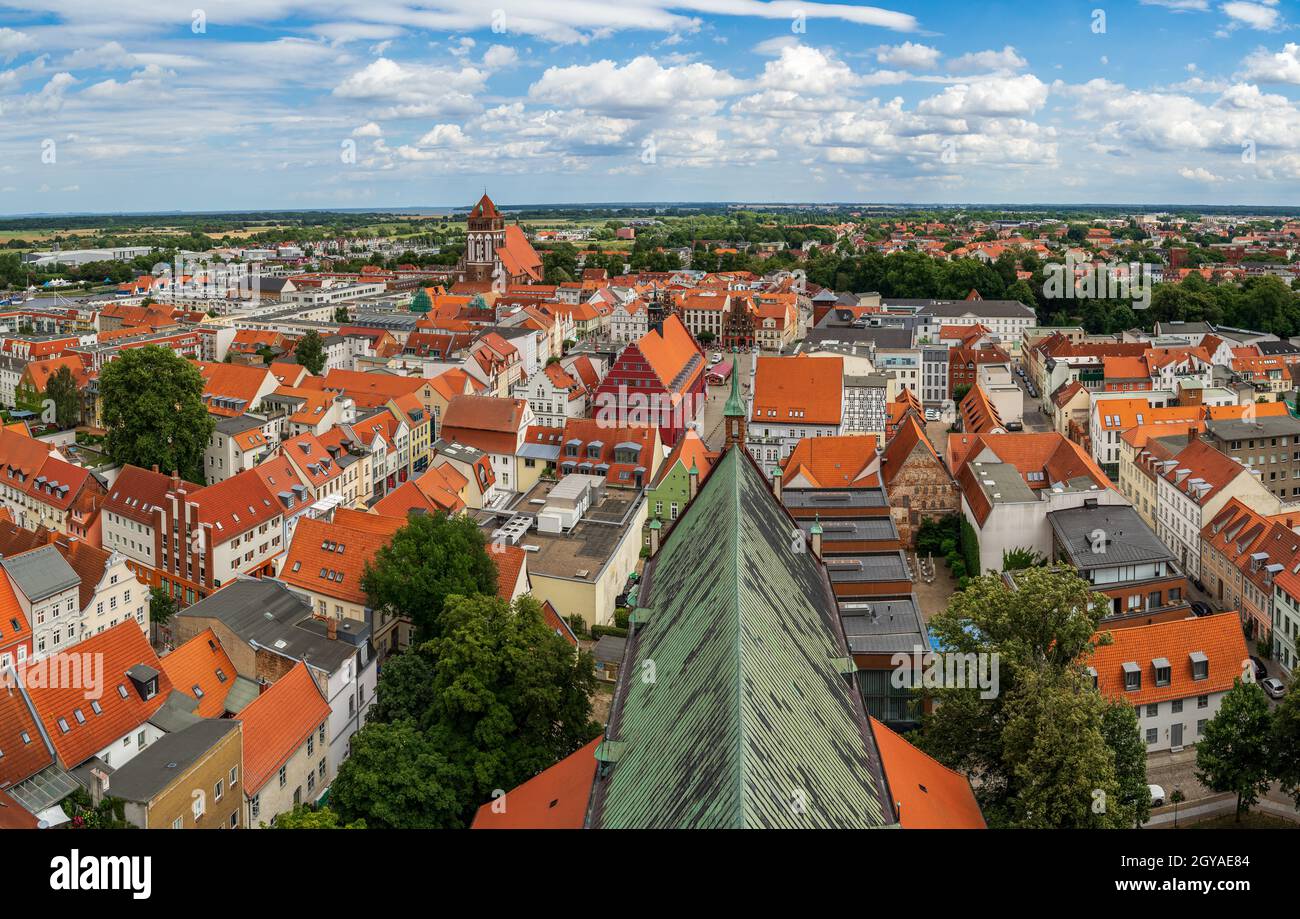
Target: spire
(735, 407)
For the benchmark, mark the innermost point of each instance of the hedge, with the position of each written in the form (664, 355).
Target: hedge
(970, 548)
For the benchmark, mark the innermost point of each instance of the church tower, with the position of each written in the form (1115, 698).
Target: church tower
(486, 233)
(734, 411)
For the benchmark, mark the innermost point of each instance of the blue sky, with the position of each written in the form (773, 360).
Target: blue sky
(136, 105)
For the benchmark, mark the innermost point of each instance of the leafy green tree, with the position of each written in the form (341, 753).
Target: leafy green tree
(1284, 746)
(1019, 559)
(495, 699)
(428, 560)
(1233, 756)
(1040, 633)
(61, 390)
(153, 410)
(307, 817)
(1119, 725)
(311, 352)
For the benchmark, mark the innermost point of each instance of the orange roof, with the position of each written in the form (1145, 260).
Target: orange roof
(1122, 414)
(278, 722)
(22, 758)
(122, 708)
(1218, 637)
(555, 799)
(670, 354)
(844, 461)
(905, 440)
(201, 669)
(231, 381)
(691, 450)
(799, 390)
(328, 558)
(978, 413)
(510, 561)
(927, 794)
(288, 374)
(1236, 412)
(1125, 368)
(486, 423)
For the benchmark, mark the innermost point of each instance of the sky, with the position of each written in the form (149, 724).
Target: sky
(139, 105)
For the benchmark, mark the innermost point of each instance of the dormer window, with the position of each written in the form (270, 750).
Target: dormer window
(1132, 676)
(1163, 671)
(1200, 665)
(1092, 675)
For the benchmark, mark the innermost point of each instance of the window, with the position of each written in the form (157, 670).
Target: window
(178, 823)
(1153, 735)
(1202, 701)
(284, 777)
(199, 805)
(1200, 727)
(1132, 677)
(1153, 709)
(234, 776)
(1176, 706)
(217, 789)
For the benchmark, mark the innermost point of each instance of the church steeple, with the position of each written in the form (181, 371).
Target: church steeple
(734, 411)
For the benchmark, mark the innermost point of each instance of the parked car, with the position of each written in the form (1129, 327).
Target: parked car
(1015, 426)
(931, 414)
(1273, 686)
(716, 358)
(1157, 795)
(1201, 609)
(1261, 672)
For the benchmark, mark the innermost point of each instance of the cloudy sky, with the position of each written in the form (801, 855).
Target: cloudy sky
(138, 105)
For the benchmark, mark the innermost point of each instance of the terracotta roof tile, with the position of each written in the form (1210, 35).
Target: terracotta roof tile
(278, 722)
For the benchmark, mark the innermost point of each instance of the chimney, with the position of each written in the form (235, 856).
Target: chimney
(1191, 434)
(776, 482)
(695, 481)
(155, 467)
(655, 527)
(816, 531)
(332, 629)
(176, 480)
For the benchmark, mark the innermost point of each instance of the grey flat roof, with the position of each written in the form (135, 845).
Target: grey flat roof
(610, 648)
(41, 572)
(276, 618)
(1128, 540)
(883, 626)
(158, 765)
(1267, 426)
(867, 568)
(813, 498)
(867, 528)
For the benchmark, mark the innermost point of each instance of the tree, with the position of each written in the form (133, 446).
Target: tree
(153, 410)
(311, 352)
(1019, 559)
(307, 817)
(495, 699)
(428, 560)
(162, 607)
(1035, 747)
(1119, 725)
(1284, 746)
(1233, 754)
(61, 390)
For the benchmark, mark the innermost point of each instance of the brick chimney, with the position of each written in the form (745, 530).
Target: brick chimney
(332, 629)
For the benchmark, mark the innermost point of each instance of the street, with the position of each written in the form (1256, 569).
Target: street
(711, 428)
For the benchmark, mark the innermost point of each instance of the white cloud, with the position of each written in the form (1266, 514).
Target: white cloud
(1199, 174)
(1022, 95)
(13, 43)
(404, 90)
(908, 55)
(988, 61)
(499, 56)
(1280, 67)
(370, 129)
(1262, 16)
(640, 85)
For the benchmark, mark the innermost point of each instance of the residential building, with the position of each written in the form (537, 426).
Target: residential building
(186, 780)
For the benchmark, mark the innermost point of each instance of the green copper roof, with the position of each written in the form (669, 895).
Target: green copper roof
(734, 710)
(735, 406)
(421, 303)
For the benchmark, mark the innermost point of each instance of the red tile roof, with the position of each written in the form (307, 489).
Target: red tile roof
(123, 710)
(927, 794)
(202, 662)
(798, 390)
(555, 799)
(1218, 637)
(845, 461)
(22, 758)
(338, 550)
(278, 722)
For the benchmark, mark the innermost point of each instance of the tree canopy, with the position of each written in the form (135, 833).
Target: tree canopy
(495, 699)
(1044, 750)
(1233, 756)
(153, 410)
(428, 560)
(311, 352)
